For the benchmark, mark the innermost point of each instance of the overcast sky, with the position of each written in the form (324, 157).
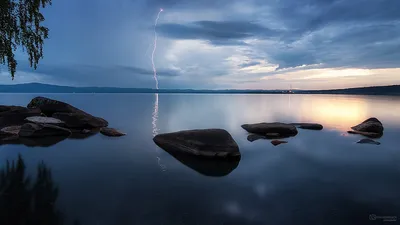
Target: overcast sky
(219, 44)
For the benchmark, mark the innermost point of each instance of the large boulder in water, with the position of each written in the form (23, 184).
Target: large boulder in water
(33, 130)
(371, 127)
(211, 143)
(283, 129)
(73, 117)
(15, 115)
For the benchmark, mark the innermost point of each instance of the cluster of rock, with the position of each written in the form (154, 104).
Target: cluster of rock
(276, 131)
(44, 118)
(219, 144)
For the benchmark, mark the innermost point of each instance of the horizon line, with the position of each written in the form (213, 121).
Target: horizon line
(166, 89)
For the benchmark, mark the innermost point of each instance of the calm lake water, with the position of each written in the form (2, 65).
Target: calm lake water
(319, 177)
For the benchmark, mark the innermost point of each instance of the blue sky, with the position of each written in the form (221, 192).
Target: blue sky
(218, 44)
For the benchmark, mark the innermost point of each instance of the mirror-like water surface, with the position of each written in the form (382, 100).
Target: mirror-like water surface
(319, 177)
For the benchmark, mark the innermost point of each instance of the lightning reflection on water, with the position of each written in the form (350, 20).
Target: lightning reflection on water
(155, 131)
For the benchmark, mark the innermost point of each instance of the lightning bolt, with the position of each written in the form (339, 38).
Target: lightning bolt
(155, 48)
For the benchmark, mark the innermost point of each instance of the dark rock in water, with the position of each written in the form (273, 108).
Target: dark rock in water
(111, 132)
(371, 125)
(73, 117)
(79, 120)
(309, 126)
(255, 137)
(42, 130)
(278, 142)
(366, 134)
(284, 130)
(368, 141)
(45, 120)
(15, 115)
(208, 166)
(211, 143)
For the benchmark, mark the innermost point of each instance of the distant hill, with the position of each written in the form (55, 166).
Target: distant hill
(378, 90)
(47, 88)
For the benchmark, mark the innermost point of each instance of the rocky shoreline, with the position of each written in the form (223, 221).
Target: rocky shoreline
(46, 121)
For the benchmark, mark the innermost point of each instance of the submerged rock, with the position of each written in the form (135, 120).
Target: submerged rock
(278, 142)
(309, 126)
(111, 132)
(371, 125)
(42, 130)
(73, 117)
(284, 130)
(45, 120)
(368, 141)
(212, 143)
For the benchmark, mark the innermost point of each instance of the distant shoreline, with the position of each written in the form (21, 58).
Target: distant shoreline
(393, 90)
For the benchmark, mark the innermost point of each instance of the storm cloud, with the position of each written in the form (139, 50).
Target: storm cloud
(214, 43)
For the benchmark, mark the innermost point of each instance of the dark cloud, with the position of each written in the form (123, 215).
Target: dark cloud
(336, 33)
(217, 32)
(228, 42)
(288, 33)
(115, 70)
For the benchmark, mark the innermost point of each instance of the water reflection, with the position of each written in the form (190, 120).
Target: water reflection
(334, 112)
(208, 167)
(24, 202)
(155, 130)
(34, 142)
(155, 115)
(337, 112)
